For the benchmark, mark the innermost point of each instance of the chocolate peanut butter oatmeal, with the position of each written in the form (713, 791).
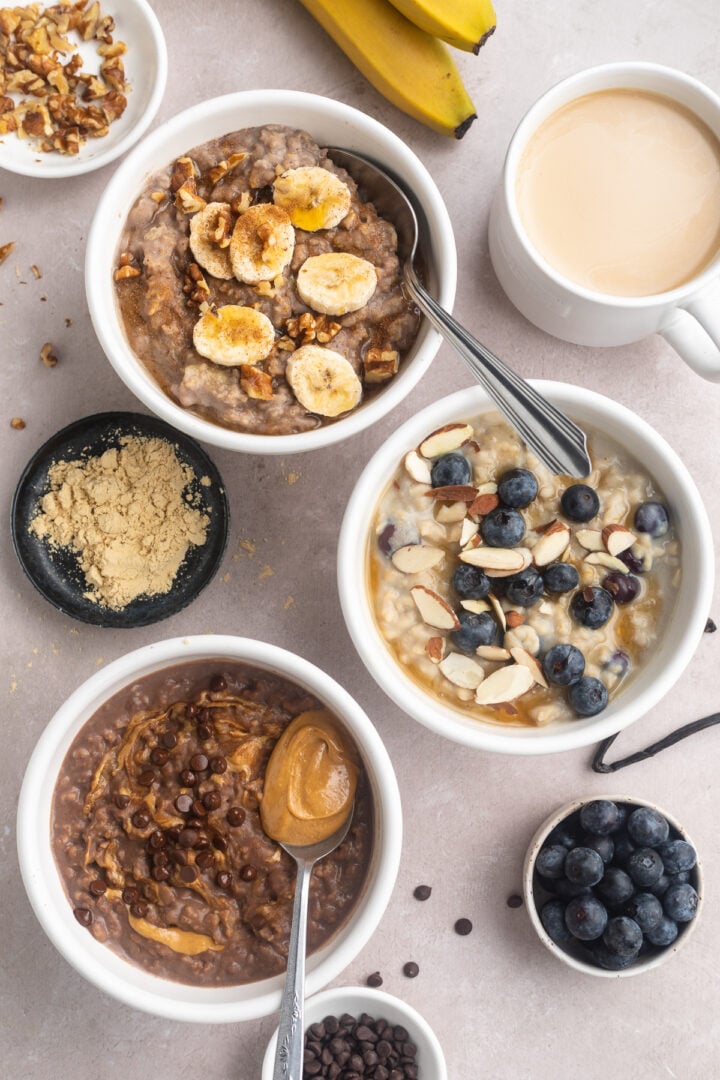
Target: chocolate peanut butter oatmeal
(258, 288)
(157, 835)
(512, 594)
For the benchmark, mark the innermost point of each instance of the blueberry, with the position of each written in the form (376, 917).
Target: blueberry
(502, 528)
(568, 890)
(561, 577)
(562, 834)
(588, 697)
(579, 502)
(586, 918)
(616, 886)
(652, 518)
(624, 848)
(563, 665)
(664, 933)
(635, 563)
(552, 916)
(524, 588)
(551, 860)
(583, 866)
(450, 469)
(591, 607)
(680, 903)
(470, 582)
(618, 663)
(623, 936)
(599, 817)
(517, 488)
(647, 827)
(681, 878)
(645, 866)
(609, 961)
(677, 855)
(622, 587)
(604, 846)
(661, 886)
(397, 534)
(645, 909)
(475, 630)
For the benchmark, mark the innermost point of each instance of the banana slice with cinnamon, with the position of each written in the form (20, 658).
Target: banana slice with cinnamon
(323, 381)
(262, 243)
(336, 283)
(315, 198)
(234, 335)
(210, 232)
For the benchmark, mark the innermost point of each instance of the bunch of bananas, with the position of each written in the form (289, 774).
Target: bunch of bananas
(399, 46)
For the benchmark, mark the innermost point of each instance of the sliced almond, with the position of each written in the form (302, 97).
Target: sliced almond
(603, 558)
(473, 542)
(498, 609)
(492, 652)
(445, 439)
(462, 670)
(546, 526)
(414, 558)
(476, 606)
(417, 468)
(487, 489)
(617, 538)
(590, 539)
(449, 512)
(522, 656)
(506, 684)
(513, 619)
(468, 531)
(453, 493)
(435, 648)
(493, 558)
(483, 504)
(433, 609)
(551, 544)
(527, 560)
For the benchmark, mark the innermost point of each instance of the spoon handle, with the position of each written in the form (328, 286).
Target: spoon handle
(289, 1054)
(559, 443)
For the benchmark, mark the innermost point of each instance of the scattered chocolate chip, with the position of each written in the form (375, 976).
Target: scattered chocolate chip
(188, 874)
(204, 859)
(141, 819)
(192, 710)
(131, 894)
(83, 915)
(139, 909)
(514, 901)
(199, 762)
(375, 979)
(211, 800)
(160, 873)
(218, 684)
(121, 801)
(463, 927)
(710, 626)
(159, 756)
(168, 740)
(188, 778)
(147, 777)
(199, 808)
(220, 843)
(202, 843)
(184, 804)
(173, 833)
(204, 732)
(161, 858)
(411, 969)
(248, 872)
(218, 765)
(235, 816)
(179, 857)
(223, 879)
(157, 840)
(97, 887)
(187, 838)
(422, 892)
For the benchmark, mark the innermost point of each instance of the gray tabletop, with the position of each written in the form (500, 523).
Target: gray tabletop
(502, 1007)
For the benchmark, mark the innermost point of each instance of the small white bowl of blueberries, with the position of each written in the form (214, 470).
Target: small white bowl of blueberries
(613, 887)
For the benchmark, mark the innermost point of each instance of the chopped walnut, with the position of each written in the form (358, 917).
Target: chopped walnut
(36, 271)
(196, 287)
(379, 365)
(255, 382)
(187, 199)
(242, 203)
(311, 328)
(17, 422)
(184, 169)
(125, 273)
(5, 250)
(47, 355)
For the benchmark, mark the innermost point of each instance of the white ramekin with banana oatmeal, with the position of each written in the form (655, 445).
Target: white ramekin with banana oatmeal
(514, 609)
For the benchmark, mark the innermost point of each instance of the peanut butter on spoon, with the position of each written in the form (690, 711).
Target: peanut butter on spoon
(310, 781)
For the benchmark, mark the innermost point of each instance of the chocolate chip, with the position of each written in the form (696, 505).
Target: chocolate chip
(179, 857)
(192, 710)
(168, 739)
(161, 858)
(710, 626)
(223, 879)
(157, 840)
(173, 833)
(187, 838)
(220, 843)
(411, 969)
(141, 819)
(147, 777)
(199, 762)
(218, 765)
(83, 915)
(97, 887)
(422, 892)
(463, 927)
(131, 894)
(188, 874)
(204, 732)
(188, 778)
(139, 909)
(375, 979)
(204, 859)
(514, 901)
(184, 804)
(218, 684)
(121, 801)
(199, 808)
(248, 872)
(202, 843)
(235, 815)
(158, 756)
(160, 873)
(211, 800)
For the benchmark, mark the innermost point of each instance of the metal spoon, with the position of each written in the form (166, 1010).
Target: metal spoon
(289, 1053)
(555, 439)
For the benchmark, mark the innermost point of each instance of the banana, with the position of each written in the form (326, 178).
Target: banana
(210, 231)
(323, 381)
(464, 24)
(314, 197)
(262, 243)
(336, 282)
(411, 68)
(234, 335)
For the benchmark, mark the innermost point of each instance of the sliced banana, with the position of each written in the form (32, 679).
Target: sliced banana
(336, 282)
(323, 381)
(209, 238)
(262, 243)
(314, 198)
(234, 335)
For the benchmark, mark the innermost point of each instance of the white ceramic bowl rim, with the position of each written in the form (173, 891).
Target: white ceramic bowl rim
(98, 153)
(683, 631)
(125, 981)
(534, 915)
(330, 123)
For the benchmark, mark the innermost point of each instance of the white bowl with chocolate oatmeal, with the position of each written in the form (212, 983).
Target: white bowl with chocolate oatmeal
(139, 832)
(244, 289)
(512, 610)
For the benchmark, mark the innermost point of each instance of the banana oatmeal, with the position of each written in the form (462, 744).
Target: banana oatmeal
(520, 596)
(258, 288)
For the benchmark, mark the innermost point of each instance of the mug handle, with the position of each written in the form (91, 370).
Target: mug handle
(694, 332)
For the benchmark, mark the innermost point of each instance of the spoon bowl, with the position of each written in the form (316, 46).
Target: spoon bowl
(556, 440)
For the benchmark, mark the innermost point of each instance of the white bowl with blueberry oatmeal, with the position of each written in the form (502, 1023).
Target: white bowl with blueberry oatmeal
(517, 611)
(243, 286)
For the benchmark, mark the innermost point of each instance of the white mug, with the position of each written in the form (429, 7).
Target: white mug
(688, 317)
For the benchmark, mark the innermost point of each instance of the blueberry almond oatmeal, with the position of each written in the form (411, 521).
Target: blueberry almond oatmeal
(258, 288)
(156, 824)
(512, 594)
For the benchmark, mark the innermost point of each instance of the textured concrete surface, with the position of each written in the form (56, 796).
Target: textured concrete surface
(502, 1007)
